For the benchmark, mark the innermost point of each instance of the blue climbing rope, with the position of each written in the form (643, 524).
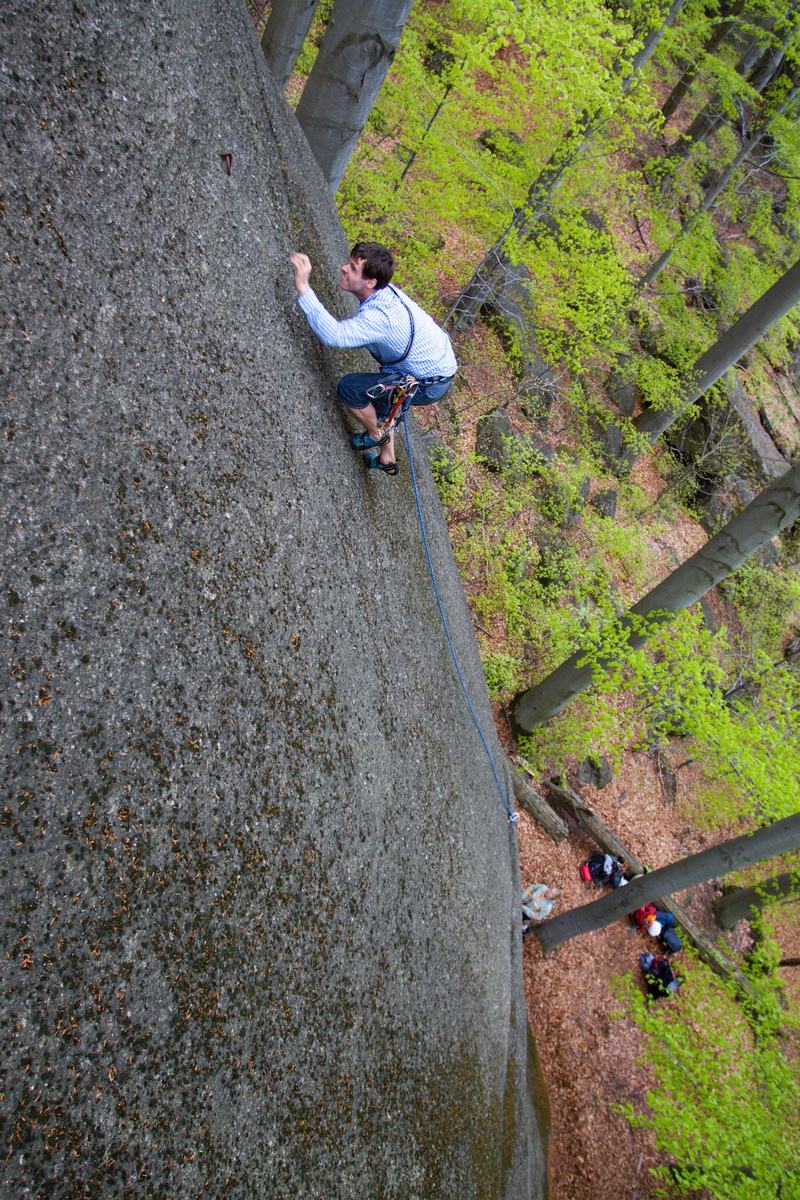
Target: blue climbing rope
(512, 816)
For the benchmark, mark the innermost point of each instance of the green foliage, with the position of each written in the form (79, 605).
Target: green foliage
(661, 384)
(502, 673)
(583, 291)
(726, 1106)
(749, 745)
(624, 547)
(449, 474)
(449, 142)
(766, 600)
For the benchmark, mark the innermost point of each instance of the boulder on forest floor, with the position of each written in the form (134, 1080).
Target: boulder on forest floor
(667, 778)
(562, 504)
(595, 770)
(537, 390)
(609, 438)
(555, 561)
(441, 457)
(501, 449)
(605, 503)
(769, 554)
(715, 511)
(760, 452)
(723, 503)
(730, 438)
(709, 620)
(496, 441)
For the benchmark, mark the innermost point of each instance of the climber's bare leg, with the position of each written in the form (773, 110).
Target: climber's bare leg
(369, 419)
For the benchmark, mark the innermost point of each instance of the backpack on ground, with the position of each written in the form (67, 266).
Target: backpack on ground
(659, 978)
(596, 866)
(617, 876)
(604, 869)
(644, 915)
(670, 939)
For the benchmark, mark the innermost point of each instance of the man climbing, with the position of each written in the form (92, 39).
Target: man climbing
(399, 335)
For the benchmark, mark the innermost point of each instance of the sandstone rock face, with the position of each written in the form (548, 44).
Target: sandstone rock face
(261, 905)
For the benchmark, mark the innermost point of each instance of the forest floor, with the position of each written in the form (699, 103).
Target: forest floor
(591, 1058)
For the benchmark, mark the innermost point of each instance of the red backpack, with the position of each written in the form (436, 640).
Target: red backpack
(644, 915)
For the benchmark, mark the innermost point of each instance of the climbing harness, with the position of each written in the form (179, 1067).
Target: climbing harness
(405, 387)
(512, 816)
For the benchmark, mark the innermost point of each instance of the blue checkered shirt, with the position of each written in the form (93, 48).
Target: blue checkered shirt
(382, 326)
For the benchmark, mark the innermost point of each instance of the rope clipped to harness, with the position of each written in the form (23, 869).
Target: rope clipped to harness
(512, 816)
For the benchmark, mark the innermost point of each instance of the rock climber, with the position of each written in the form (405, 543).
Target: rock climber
(400, 336)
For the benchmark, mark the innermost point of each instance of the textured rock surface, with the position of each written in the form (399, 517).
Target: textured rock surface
(759, 450)
(244, 812)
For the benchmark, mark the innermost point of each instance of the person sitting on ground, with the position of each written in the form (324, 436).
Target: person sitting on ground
(399, 335)
(538, 900)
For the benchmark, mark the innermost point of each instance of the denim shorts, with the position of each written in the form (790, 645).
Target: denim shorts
(352, 391)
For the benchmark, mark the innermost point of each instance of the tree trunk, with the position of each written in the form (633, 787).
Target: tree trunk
(715, 190)
(739, 904)
(772, 510)
(529, 799)
(684, 84)
(286, 30)
(357, 50)
(772, 840)
(591, 824)
(758, 64)
(720, 963)
(496, 265)
(725, 353)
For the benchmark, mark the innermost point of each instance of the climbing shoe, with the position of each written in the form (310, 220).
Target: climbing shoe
(373, 463)
(362, 441)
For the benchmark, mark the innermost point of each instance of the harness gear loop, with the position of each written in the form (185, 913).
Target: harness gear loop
(405, 387)
(513, 817)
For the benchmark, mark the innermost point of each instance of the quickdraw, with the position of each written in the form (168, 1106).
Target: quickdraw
(405, 387)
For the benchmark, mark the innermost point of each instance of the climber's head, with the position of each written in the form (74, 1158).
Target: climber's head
(370, 268)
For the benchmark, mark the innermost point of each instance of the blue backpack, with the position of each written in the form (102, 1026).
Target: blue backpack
(670, 939)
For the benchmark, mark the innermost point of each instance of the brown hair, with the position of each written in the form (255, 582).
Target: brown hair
(377, 259)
